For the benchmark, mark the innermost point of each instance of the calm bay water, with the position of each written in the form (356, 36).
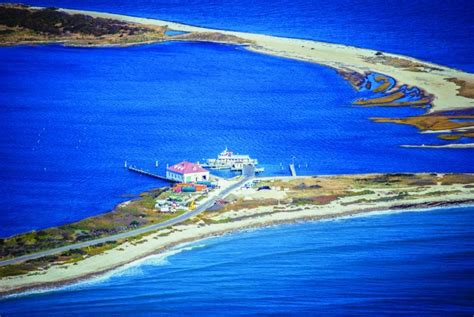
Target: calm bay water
(70, 117)
(410, 264)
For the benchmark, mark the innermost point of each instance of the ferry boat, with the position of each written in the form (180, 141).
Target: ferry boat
(229, 160)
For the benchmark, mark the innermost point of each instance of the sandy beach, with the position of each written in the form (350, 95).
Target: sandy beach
(432, 78)
(449, 146)
(214, 224)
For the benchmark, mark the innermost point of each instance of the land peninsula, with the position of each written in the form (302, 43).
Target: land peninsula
(253, 203)
(393, 80)
(102, 243)
(447, 94)
(20, 24)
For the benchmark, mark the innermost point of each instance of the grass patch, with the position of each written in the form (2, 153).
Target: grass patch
(126, 216)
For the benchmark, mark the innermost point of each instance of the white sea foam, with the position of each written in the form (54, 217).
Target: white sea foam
(134, 268)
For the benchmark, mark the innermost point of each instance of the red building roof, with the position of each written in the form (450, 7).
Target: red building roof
(186, 168)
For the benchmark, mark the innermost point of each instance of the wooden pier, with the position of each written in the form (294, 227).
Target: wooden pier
(147, 173)
(292, 170)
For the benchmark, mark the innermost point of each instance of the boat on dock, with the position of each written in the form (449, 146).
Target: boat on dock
(230, 160)
(256, 169)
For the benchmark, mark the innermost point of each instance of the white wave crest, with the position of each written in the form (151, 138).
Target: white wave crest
(128, 270)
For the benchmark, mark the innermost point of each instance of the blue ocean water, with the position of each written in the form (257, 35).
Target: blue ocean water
(433, 30)
(407, 264)
(72, 116)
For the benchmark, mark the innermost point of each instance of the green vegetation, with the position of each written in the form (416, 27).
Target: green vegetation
(361, 193)
(68, 257)
(52, 21)
(215, 37)
(14, 270)
(375, 188)
(300, 193)
(125, 217)
(315, 200)
(22, 24)
(245, 204)
(36, 266)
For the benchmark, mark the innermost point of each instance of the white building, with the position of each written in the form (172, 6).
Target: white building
(187, 172)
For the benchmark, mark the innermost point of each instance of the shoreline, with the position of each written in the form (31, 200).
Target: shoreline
(445, 93)
(442, 146)
(364, 212)
(433, 79)
(335, 56)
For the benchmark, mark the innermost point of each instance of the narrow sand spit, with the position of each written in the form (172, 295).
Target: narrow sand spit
(432, 78)
(443, 146)
(228, 222)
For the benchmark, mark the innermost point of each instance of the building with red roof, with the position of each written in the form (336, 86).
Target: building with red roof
(187, 172)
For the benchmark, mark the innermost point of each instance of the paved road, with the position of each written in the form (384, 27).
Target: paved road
(202, 207)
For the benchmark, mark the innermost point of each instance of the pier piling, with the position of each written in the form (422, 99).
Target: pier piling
(147, 173)
(292, 169)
